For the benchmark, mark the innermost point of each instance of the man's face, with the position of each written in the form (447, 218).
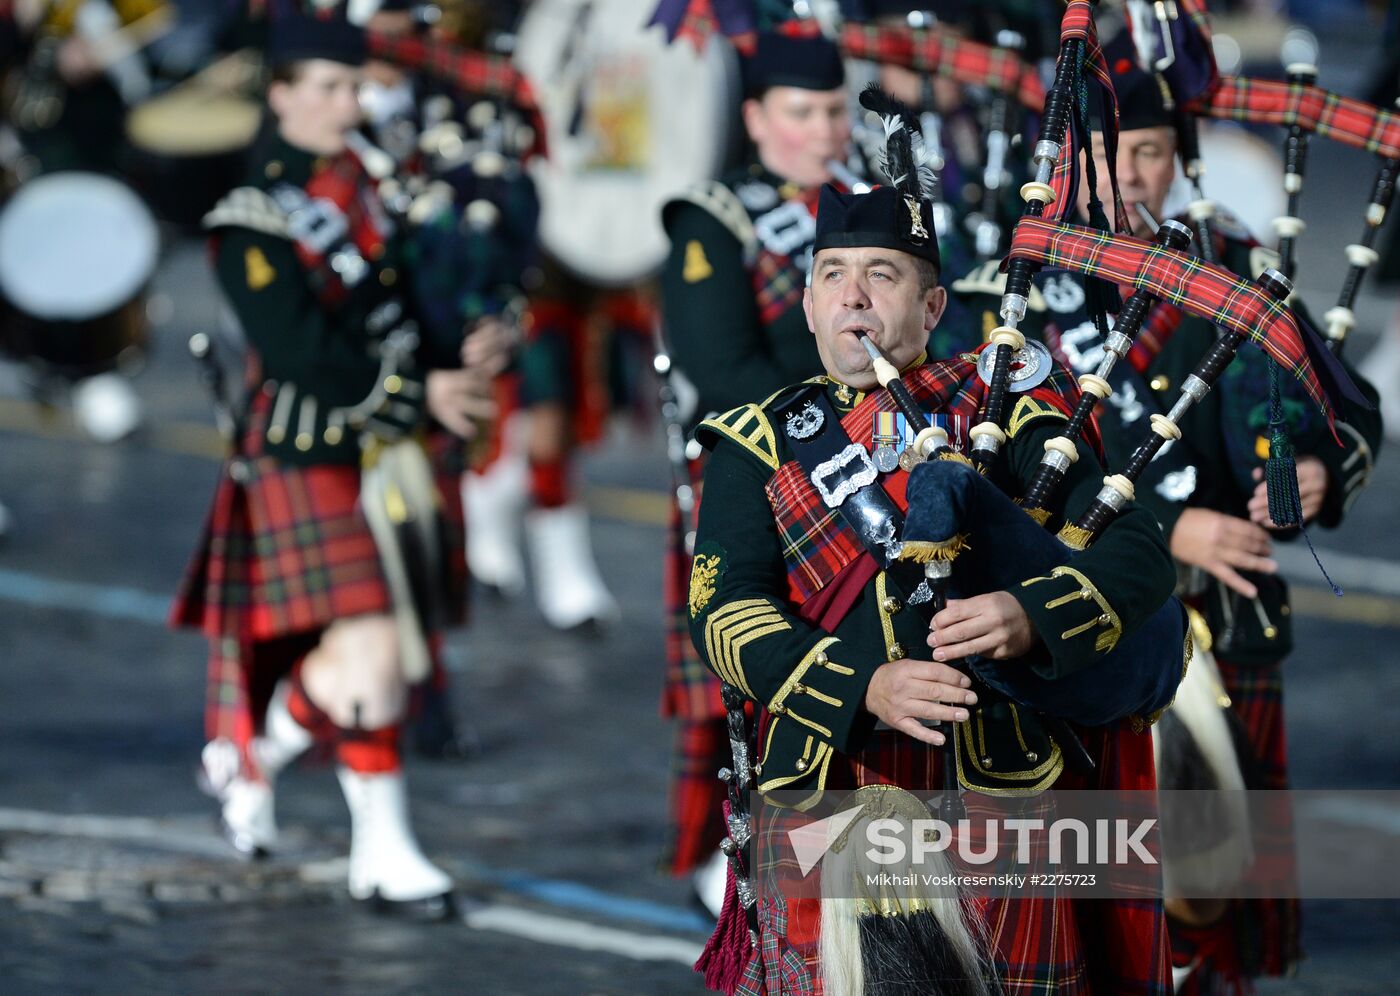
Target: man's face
(1146, 169)
(798, 131)
(317, 108)
(870, 290)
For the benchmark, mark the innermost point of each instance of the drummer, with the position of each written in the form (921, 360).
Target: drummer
(731, 293)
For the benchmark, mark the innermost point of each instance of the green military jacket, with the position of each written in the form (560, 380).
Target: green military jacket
(322, 367)
(731, 287)
(812, 682)
(1225, 436)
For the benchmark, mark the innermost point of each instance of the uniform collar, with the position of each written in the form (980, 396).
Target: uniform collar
(844, 397)
(282, 162)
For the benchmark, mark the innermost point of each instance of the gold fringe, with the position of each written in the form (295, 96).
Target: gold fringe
(1040, 515)
(1074, 537)
(930, 552)
(955, 457)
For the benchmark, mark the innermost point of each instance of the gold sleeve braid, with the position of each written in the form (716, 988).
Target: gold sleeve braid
(732, 627)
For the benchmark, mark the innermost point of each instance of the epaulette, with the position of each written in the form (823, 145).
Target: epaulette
(248, 207)
(747, 426)
(724, 205)
(1027, 410)
(987, 278)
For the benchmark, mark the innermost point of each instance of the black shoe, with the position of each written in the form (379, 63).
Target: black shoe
(430, 909)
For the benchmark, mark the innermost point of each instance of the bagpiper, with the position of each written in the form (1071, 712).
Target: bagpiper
(731, 296)
(316, 576)
(1207, 491)
(790, 607)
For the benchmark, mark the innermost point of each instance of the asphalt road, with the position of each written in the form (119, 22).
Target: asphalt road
(112, 878)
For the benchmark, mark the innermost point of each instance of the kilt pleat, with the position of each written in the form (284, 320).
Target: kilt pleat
(1256, 937)
(1038, 946)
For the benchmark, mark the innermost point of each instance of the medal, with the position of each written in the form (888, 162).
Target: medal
(908, 460)
(885, 437)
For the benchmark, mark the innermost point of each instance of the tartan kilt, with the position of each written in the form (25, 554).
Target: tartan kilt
(690, 695)
(283, 554)
(1037, 946)
(1256, 937)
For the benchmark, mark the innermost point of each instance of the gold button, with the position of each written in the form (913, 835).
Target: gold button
(1159, 383)
(789, 190)
(276, 434)
(896, 651)
(1085, 594)
(393, 384)
(758, 768)
(304, 441)
(890, 605)
(799, 688)
(388, 277)
(333, 434)
(987, 763)
(801, 765)
(273, 170)
(1270, 633)
(777, 708)
(1104, 620)
(1032, 756)
(820, 659)
(1285, 610)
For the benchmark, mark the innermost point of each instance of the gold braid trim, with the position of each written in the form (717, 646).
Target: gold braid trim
(933, 551)
(1038, 515)
(953, 456)
(1074, 537)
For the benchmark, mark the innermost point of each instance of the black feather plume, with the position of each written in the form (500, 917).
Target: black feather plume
(906, 162)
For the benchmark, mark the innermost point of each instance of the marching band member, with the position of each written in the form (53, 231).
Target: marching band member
(1206, 490)
(315, 577)
(731, 295)
(770, 545)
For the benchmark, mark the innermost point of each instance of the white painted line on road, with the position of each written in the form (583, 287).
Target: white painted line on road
(547, 929)
(1347, 569)
(195, 835)
(192, 835)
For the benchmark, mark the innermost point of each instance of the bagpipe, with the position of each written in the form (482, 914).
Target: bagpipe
(1180, 49)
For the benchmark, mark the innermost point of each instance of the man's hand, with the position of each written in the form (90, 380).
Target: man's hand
(1223, 545)
(1312, 488)
(903, 693)
(992, 626)
(487, 347)
(456, 398)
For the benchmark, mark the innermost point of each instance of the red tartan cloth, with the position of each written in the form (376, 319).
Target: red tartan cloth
(344, 182)
(1038, 946)
(1256, 937)
(935, 50)
(696, 800)
(1343, 119)
(818, 545)
(1200, 288)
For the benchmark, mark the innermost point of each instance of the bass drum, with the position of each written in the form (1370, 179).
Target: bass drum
(76, 253)
(1244, 176)
(189, 148)
(630, 122)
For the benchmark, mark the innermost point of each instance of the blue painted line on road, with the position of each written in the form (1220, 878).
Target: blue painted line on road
(112, 601)
(573, 896)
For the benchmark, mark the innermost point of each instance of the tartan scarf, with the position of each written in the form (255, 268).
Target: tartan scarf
(1203, 289)
(1342, 119)
(777, 279)
(817, 543)
(476, 73)
(343, 183)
